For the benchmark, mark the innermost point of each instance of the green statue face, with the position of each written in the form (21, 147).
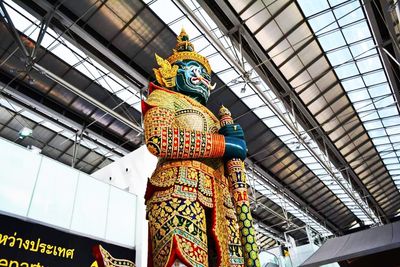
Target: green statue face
(193, 80)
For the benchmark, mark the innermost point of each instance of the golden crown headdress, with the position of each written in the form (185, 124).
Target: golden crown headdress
(184, 50)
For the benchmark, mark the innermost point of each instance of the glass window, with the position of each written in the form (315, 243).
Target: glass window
(390, 121)
(358, 95)
(377, 132)
(354, 83)
(127, 97)
(52, 126)
(384, 102)
(331, 40)
(393, 130)
(374, 78)
(346, 70)
(364, 105)
(89, 70)
(388, 154)
(190, 29)
(395, 138)
(265, 112)
(349, 13)
(369, 125)
(339, 56)
(363, 49)
(369, 64)
(379, 90)
(391, 160)
(393, 167)
(356, 32)
(65, 54)
(387, 112)
(166, 10)
(281, 130)
(311, 7)
(323, 23)
(253, 101)
(380, 141)
(272, 122)
(218, 63)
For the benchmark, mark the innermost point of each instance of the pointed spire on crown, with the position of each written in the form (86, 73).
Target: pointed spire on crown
(183, 43)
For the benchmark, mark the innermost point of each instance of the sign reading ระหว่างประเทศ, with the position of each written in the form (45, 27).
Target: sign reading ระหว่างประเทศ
(26, 244)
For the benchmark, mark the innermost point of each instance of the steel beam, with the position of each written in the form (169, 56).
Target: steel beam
(300, 203)
(371, 7)
(100, 47)
(61, 121)
(5, 17)
(87, 97)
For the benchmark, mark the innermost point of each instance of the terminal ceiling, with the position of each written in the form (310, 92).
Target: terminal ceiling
(314, 84)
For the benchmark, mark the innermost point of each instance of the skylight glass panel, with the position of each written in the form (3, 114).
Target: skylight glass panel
(331, 40)
(51, 126)
(31, 116)
(379, 90)
(393, 130)
(346, 70)
(109, 84)
(323, 23)
(390, 121)
(368, 115)
(374, 78)
(127, 97)
(364, 48)
(353, 83)
(166, 10)
(338, 57)
(253, 101)
(190, 29)
(388, 111)
(349, 13)
(200, 44)
(9, 105)
(394, 138)
(218, 63)
(358, 95)
(203, 16)
(89, 70)
(356, 32)
(374, 102)
(369, 64)
(272, 122)
(67, 55)
(311, 7)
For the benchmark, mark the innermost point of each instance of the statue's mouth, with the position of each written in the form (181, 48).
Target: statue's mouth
(200, 79)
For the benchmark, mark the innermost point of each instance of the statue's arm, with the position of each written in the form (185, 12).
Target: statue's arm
(165, 140)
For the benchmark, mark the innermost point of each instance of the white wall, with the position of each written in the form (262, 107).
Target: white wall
(43, 190)
(131, 173)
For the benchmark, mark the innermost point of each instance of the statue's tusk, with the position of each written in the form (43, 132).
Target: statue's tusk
(212, 87)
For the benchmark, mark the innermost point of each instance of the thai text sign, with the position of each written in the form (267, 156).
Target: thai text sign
(25, 244)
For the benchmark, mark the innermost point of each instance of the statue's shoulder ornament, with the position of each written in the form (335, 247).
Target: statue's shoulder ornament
(158, 97)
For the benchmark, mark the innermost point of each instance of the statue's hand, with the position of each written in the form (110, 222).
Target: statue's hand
(232, 130)
(235, 148)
